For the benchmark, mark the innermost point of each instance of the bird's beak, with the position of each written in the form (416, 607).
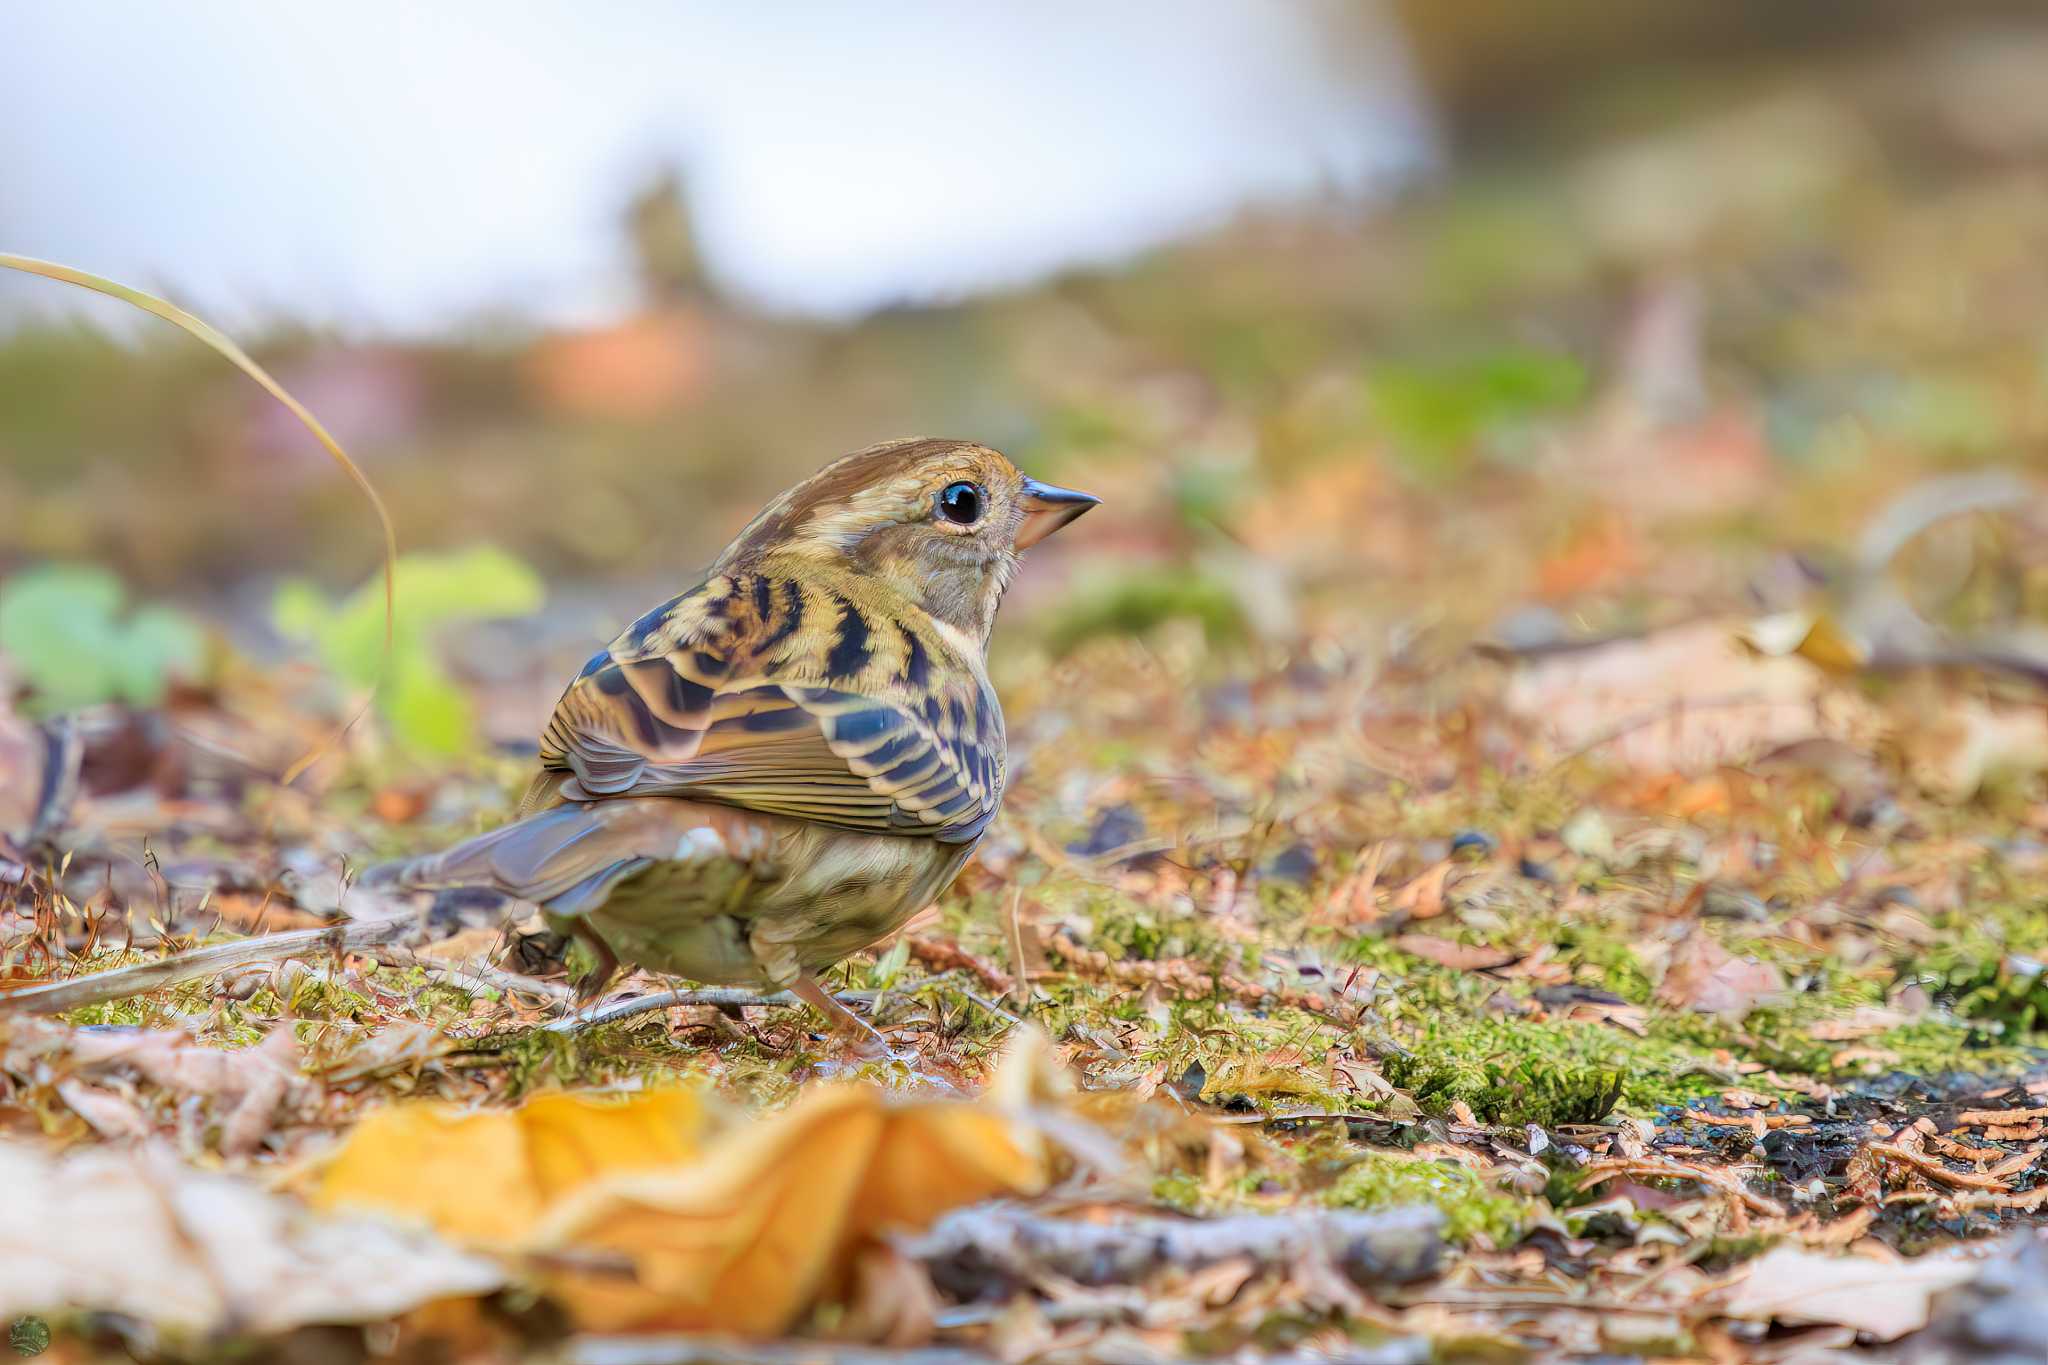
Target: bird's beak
(1046, 509)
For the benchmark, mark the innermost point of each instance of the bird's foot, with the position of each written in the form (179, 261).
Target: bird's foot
(591, 985)
(863, 1040)
(864, 1048)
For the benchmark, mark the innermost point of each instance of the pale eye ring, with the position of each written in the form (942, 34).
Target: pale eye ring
(961, 503)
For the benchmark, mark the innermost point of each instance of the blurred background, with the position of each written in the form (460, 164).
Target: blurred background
(1385, 329)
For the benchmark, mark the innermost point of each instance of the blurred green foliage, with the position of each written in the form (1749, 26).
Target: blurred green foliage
(1133, 600)
(424, 706)
(68, 630)
(1439, 411)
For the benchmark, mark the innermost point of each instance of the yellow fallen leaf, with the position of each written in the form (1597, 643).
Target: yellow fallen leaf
(771, 1219)
(634, 1220)
(485, 1177)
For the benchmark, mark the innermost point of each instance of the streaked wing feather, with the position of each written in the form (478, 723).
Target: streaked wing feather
(688, 703)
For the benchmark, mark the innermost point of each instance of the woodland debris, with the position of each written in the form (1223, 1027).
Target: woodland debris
(1706, 978)
(993, 1250)
(2000, 1317)
(638, 1216)
(1182, 978)
(39, 767)
(249, 1087)
(941, 955)
(134, 1231)
(119, 983)
(1882, 1295)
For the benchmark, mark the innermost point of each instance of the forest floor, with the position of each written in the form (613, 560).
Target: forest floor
(1580, 772)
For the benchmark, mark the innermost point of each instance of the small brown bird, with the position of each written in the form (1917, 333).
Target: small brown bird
(785, 763)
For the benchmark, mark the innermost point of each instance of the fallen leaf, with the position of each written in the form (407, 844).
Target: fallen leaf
(1816, 637)
(249, 1086)
(1886, 1299)
(1705, 978)
(1600, 551)
(401, 1045)
(1684, 700)
(39, 767)
(1462, 957)
(636, 1219)
(399, 805)
(138, 1233)
(485, 1177)
(771, 1218)
(1423, 896)
(107, 1114)
(2000, 1117)
(1860, 1022)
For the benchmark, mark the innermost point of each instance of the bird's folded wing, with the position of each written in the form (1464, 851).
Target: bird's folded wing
(700, 713)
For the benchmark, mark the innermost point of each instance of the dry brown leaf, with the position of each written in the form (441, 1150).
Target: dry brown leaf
(1886, 1299)
(249, 1086)
(1461, 957)
(2002, 1118)
(136, 1232)
(1685, 700)
(1423, 896)
(1860, 1022)
(108, 1115)
(399, 1045)
(1705, 978)
(38, 770)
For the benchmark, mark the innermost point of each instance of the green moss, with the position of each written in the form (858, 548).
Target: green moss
(1987, 967)
(1542, 1086)
(1517, 1071)
(536, 1059)
(1471, 1207)
(1604, 959)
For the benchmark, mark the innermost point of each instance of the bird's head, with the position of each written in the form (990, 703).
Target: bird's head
(939, 521)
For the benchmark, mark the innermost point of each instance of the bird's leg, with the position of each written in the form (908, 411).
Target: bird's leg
(870, 1044)
(590, 986)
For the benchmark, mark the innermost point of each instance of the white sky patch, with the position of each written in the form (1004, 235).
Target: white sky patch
(393, 166)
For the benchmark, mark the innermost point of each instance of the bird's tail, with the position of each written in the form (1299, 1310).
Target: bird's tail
(560, 858)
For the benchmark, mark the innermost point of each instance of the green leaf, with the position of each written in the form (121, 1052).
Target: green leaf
(424, 706)
(64, 629)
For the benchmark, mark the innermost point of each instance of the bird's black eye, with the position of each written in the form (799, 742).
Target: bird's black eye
(961, 503)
